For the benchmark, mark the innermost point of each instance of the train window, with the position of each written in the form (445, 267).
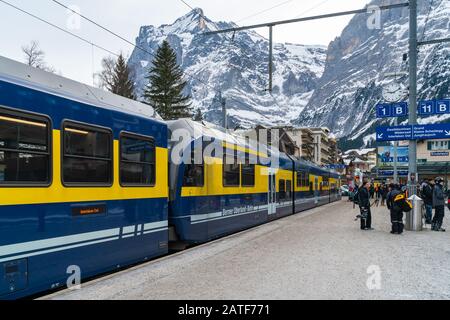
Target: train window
(288, 190)
(248, 173)
(231, 169)
(87, 155)
(282, 190)
(194, 173)
(302, 179)
(24, 149)
(137, 160)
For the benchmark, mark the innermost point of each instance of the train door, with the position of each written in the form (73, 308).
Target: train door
(316, 189)
(272, 195)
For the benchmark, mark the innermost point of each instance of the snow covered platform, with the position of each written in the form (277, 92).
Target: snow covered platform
(320, 254)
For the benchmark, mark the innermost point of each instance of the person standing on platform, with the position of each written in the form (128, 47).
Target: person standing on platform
(427, 197)
(364, 205)
(395, 209)
(439, 205)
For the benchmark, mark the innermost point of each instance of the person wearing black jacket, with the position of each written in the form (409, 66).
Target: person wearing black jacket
(438, 205)
(427, 197)
(396, 211)
(364, 205)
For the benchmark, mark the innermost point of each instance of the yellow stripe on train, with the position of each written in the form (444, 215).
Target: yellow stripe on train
(57, 193)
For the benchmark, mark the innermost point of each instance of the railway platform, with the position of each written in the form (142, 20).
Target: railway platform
(319, 254)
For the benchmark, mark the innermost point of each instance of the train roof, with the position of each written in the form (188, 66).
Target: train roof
(24, 75)
(204, 128)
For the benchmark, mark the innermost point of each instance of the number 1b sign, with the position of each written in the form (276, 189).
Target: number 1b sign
(392, 110)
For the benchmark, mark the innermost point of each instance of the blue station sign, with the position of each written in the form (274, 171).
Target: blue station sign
(417, 132)
(424, 108)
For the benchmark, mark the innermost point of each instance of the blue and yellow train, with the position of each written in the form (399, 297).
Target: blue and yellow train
(86, 183)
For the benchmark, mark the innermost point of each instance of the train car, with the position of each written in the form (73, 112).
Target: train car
(213, 199)
(83, 181)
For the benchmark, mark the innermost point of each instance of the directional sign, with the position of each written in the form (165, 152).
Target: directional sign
(397, 133)
(426, 108)
(384, 111)
(418, 132)
(431, 131)
(442, 106)
(400, 109)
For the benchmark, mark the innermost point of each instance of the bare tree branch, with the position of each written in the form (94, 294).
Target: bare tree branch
(35, 57)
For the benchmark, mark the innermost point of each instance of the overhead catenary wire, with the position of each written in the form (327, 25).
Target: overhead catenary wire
(264, 11)
(59, 28)
(129, 42)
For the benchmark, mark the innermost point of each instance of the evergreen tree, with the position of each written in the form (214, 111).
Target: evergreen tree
(122, 83)
(166, 85)
(198, 116)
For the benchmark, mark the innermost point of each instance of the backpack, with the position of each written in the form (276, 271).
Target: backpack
(403, 203)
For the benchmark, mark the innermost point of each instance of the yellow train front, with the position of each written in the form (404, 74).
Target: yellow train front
(212, 196)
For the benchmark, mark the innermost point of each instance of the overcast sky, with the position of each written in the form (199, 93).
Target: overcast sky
(77, 60)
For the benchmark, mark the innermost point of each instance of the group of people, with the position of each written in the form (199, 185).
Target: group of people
(433, 196)
(396, 199)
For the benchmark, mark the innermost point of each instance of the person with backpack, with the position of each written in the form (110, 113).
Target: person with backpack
(438, 205)
(427, 197)
(396, 212)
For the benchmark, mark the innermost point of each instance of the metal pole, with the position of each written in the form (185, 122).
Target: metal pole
(412, 176)
(322, 16)
(224, 113)
(396, 156)
(270, 58)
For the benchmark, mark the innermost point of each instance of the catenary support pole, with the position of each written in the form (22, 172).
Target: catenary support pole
(224, 113)
(412, 176)
(396, 156)
(270, 58)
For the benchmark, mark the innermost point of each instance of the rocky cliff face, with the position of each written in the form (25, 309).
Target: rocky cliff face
(337, 87)
(351, 86)
(235, 67)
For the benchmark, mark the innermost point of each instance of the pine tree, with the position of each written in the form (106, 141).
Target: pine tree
(166, 85)
(198, 116)
(122, 83)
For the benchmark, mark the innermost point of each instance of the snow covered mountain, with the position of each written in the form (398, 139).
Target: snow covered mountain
(235, 67)
(337, 87)
(352, 82)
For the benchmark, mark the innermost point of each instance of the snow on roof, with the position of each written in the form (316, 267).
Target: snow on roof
(24, 75)
(361, 152)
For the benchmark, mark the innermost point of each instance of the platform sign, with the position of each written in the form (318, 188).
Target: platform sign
(336, 166)
(390, 173)
(400, 109)
(384, 111)
(394, 133)
(427, 108)
(443, 107)
(424, 108)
